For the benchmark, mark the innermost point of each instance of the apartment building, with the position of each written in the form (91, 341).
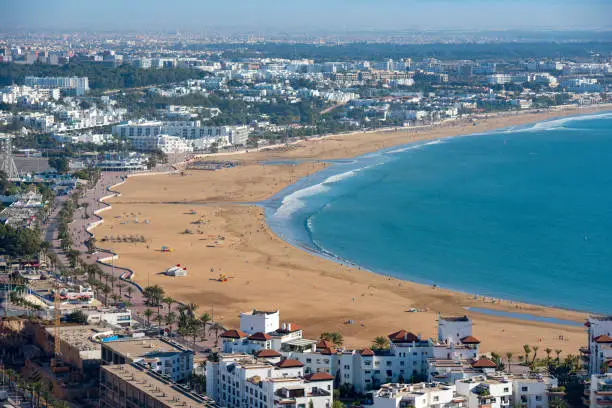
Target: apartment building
(486, 391)
(160, 355)
(598, 393)
(132, 385)
(420, 395)
(407, 358)
(597, 357)
(246, 381)
(78, 85)
(535, 391)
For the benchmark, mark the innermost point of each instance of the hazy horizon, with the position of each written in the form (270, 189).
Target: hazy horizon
(329, 15)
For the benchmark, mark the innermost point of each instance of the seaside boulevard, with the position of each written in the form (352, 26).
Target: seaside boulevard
(237, 263)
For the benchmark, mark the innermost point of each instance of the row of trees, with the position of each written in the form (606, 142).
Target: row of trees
(100, 76)
(182, 317)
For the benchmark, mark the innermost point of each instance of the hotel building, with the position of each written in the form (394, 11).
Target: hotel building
(246, 381)
(79, 85)
(597, 357)
(131, 385)
(160, 355)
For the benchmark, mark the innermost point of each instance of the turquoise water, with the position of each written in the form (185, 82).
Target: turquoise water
(522, 214)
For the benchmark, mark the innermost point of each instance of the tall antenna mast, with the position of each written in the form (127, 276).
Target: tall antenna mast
(7, 162)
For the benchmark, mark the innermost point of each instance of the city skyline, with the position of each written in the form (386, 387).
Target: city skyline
(293, 17)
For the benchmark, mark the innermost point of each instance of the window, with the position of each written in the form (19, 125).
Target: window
(538, 398)
(524, 389)
(436, 398)
(506, 389)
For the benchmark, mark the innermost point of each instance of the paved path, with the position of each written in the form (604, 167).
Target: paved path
(83, 217)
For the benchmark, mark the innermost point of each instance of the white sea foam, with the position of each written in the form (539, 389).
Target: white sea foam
(295, 200)
(557, 124)
(415, 147)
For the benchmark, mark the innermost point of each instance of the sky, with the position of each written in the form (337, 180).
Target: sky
(305, 15)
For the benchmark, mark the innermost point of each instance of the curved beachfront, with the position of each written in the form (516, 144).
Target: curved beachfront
(207, 219)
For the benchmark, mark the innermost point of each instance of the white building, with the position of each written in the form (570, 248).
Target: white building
(408, 357)
(484, 391)
(499, 79)
(244, 381)
(173, 144)
(598, 355)
(204, 135)
(37, 120)
(599, 391)
(113, 317)
(158, 354)
(80, 85)
(534, 391)
(420, 395)
(259, 321)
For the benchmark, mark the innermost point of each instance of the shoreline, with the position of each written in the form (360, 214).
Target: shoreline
(286, 232)
(266, 271)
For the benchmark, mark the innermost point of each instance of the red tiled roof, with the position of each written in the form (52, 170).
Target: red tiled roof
(289, 363)
(233, 334)
(484, 362)
(604, 338)
(267, 353)
(366, 352)
(323, 344)
(402, 336)
(259, 336)
(328, 351)
(470, 340)
(319, 377)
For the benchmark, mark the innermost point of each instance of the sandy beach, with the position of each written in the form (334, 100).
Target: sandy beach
(206, 218)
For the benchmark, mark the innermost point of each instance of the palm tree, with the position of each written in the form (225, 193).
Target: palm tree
(191, 308)
(194, 329)
(204, 320)
(159, 318)
(148, 313)
(170, 318)
(115, 298)
(121, 286)
(112, 279)
(380, 343)
(106, 291)
(548, 350)
(527, 350)
(216, 328)
(521, 359)
(558, 353)
(509, 359)
(169, 301)
(333, 337)
(129, 290)
(535, 352)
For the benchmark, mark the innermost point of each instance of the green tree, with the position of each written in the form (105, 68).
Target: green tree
(60, 164)
(380, 343)
(527, 351)
(204, 320)
(148, 313)
(77, 317)
(333, 337)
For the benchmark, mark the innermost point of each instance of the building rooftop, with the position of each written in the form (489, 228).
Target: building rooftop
(394, 390)
(464, 318)
(158, 388)
(78, 336)
(132, 348)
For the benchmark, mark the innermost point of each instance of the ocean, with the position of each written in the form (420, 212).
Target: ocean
(521, 213)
